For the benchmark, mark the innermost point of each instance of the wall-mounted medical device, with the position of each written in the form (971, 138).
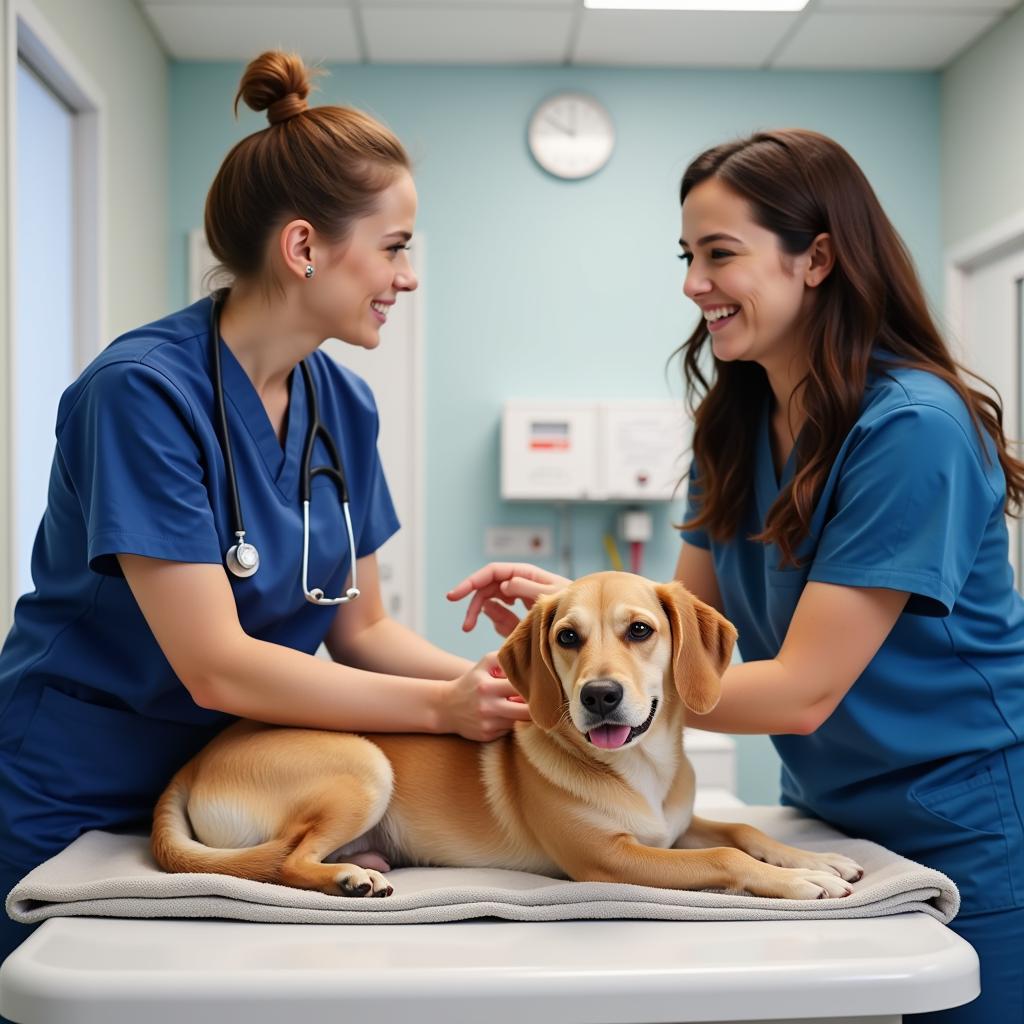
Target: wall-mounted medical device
(629, 450)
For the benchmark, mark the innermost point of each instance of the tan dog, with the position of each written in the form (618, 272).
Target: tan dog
(597, 787)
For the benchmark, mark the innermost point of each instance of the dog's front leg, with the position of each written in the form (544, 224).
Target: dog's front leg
(620, 858)
(703, 834)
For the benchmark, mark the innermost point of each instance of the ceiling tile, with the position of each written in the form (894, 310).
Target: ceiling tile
(455, 35)
(235, 31)
(828, 41)
(679, 38)
(518, 5)
(917, 6)
(281, 4)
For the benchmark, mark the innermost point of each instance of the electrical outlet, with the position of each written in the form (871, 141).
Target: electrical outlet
(513, 542)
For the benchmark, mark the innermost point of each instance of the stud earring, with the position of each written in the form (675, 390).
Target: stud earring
(309, 271)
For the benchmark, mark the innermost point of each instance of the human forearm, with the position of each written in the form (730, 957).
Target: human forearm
(271, 683)
(834, 634)
(764, 697)
(388, 646)
(191, 610)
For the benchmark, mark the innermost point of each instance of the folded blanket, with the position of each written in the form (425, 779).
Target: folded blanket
(106, 875)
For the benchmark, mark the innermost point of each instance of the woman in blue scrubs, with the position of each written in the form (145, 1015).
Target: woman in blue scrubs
(137, 645)
(847, 511)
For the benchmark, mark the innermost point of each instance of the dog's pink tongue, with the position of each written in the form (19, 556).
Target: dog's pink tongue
(609, 737)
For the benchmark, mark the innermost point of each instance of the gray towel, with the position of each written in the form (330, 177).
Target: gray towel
(105, 875)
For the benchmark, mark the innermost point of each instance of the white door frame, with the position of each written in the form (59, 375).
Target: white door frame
(413, 518)
(961, 259)
(965, 256)
(419, 454)
(29, 36)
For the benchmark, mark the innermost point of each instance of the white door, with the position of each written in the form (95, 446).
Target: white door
(993, 347)
(394, 372)
(55, 273)
(44, 357)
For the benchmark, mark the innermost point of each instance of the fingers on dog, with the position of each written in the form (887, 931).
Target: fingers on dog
(473, 610)
(492, 573)
(503, 618)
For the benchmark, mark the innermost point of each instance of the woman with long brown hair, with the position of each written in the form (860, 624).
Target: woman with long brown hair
(847, 511)
(154, 621)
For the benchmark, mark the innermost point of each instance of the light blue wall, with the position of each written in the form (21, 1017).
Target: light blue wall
(540, 288)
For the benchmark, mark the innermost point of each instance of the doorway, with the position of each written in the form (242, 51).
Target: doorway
(55, 257)
(985, 285)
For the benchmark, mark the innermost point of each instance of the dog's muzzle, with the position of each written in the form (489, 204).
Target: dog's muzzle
(613, 735)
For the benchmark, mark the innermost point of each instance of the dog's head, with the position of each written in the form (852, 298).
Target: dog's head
(605, 654)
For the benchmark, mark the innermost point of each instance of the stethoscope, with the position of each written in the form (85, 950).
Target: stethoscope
(242, 558)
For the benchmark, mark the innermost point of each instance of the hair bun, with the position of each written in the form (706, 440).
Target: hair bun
(285, 107)
(276, 82)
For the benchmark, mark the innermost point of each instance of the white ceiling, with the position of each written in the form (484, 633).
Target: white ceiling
(826, 35)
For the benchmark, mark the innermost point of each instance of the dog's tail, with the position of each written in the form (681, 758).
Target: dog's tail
(176, 850)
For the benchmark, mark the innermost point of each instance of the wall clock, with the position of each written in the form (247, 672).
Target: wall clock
(571, 135)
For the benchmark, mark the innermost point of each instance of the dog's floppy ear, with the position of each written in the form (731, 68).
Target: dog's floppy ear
(702, 643)
(525, 658)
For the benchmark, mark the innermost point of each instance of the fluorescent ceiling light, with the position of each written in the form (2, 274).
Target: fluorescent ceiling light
(696, 5)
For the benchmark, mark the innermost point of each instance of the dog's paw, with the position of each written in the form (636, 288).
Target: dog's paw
(848, 870)
(802, 884)
(793, 857)
(353, 880)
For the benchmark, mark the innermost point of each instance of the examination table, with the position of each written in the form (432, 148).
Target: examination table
(84, 970)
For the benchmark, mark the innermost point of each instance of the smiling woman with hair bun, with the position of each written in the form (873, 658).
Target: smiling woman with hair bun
(171, 591)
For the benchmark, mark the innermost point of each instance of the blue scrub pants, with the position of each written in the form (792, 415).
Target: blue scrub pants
(999, 941)
(972, 829)
(979, 842)
(35, 826)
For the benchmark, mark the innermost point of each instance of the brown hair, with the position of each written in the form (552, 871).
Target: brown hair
(800, 184)
(324, 164)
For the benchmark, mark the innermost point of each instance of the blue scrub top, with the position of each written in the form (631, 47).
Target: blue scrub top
(93, 721)
(924, 751)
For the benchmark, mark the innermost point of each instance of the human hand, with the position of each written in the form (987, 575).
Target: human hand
(505, 582)
(482, 704)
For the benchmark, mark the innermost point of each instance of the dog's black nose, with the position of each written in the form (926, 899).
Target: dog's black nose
(601, 696)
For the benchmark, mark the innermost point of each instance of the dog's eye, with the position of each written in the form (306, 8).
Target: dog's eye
(568, 638)
(639, 631)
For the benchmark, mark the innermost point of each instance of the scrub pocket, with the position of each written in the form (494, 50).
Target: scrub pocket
(965, 834)
(92, 756)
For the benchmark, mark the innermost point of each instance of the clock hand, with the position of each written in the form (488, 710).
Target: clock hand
(563, 128)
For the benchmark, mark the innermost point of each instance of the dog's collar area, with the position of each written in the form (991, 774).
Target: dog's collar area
(606, 728)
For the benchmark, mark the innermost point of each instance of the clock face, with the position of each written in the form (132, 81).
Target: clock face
(571, 135)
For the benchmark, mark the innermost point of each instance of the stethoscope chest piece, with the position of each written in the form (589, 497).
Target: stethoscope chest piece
(242, 559)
